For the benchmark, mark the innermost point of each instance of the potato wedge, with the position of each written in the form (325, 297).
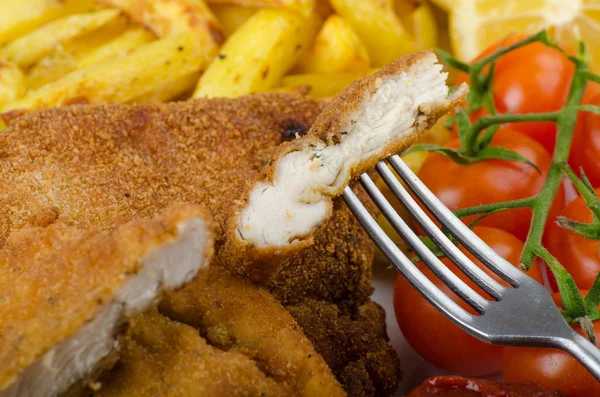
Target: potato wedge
(65, 58)
(337, 49)
(378, 26)
(51, 68)
(304, 7)
(23, 16)
(320, 85)
(424, 28)
(12, 83)
(121, 80)
(88, 42)
(258, 54)
(171, 89)
(118, 47)
(27, 50)
(167, 17)
(232, 17)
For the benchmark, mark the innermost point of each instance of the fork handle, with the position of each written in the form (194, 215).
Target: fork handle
(584, 351)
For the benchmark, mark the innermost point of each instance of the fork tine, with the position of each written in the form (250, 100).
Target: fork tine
(458, 286)
(456, 227)
(487, 283)
(404, 265)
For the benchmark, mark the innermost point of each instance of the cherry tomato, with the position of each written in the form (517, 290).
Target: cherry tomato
(585, 152)
(435, 337)
(532, 79)
(578, 254)
(550, 368)
(491, 181)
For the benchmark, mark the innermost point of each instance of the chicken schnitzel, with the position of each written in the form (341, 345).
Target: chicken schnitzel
(237, 341)
(373, 118)
(66, 292)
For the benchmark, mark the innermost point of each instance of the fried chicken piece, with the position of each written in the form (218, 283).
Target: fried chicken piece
(161, 357)
(373, 118)
(353, 343)
(236, 316)
(66, 292)
(336, 268)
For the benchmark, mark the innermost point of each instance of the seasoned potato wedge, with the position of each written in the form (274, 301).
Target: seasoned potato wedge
(320, 85)
(232, 17)
(123, 79)
(167, 17)
(305, 7)
(378, 26)
(66, 58)
(258, 54)
(337, 49)
(118, 47)
(171, 89)
(23, 16)
(12, 82)
(28, 49)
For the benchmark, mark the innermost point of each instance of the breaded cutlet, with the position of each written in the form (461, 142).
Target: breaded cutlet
(373, 118)
(232, 318)
(65, 293)
(352, 340)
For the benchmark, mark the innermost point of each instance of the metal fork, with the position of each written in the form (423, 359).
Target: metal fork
(522, 314)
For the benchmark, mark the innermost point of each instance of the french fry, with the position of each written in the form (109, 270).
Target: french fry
(424, 28)
(167, 17)
(258, 54)
(123, 79)
(118, 47)
(320, 85)
(88, 42)
(27, 50)
(232, 17)
(23, 16)
(12, 83)
(378, 26)
(304, 7)
(51, 68)
(171, 89)
(65, 59)
(337, 49)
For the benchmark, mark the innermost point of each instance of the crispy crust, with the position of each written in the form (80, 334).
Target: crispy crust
(263, 263)
(55, 279)
(162, 357)
(237, 316)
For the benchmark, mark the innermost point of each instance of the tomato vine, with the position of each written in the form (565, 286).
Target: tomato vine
(474, 146)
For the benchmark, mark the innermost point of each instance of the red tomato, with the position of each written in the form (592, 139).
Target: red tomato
(491, 181)
(550, 368)
(532, 79)
(435, 337)
(585, 152)
(578, 254)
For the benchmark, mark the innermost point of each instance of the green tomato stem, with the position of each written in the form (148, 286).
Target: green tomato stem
(495, 207)
(472, 135)
(565, 123)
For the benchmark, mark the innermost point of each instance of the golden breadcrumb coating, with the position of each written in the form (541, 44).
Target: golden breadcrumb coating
(353, 343)
(161, 357)
(237, 316)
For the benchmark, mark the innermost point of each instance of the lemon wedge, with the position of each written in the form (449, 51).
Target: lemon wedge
(475, 24)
